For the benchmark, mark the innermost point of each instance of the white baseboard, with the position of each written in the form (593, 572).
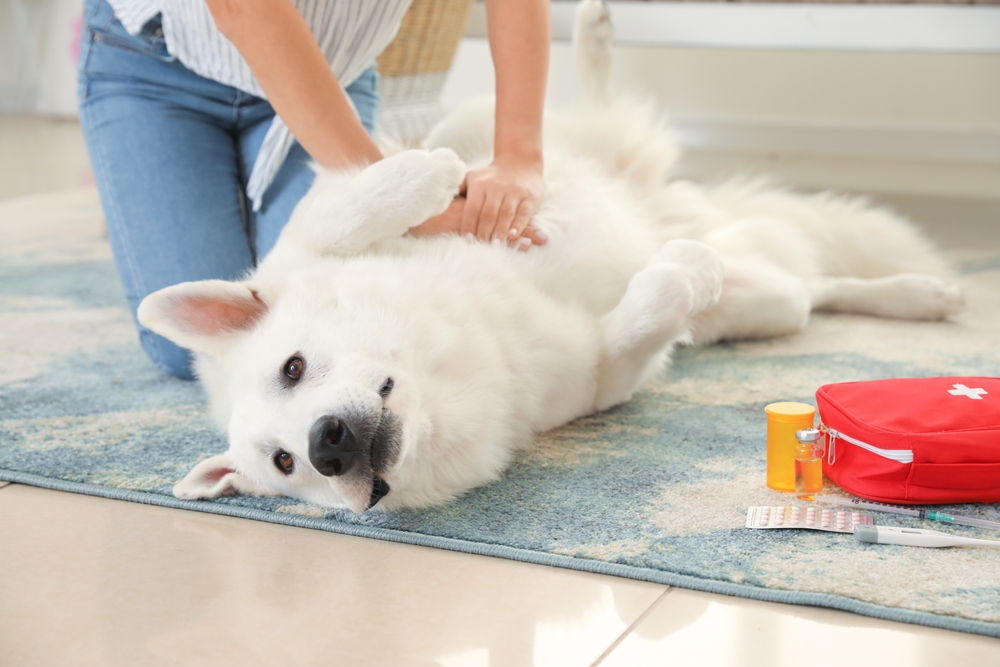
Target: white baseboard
(976, 181)
(917, 143)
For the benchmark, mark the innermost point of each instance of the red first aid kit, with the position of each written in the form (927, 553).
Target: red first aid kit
(914, 440)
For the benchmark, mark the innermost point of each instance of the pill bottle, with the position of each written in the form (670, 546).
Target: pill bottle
(783, 420)
(809, 452)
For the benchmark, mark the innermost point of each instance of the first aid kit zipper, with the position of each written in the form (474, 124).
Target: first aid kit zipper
(898, 455)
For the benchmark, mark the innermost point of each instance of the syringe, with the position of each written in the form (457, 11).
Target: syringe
(930, 515)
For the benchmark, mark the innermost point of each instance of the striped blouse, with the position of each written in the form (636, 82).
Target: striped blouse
(351, 33)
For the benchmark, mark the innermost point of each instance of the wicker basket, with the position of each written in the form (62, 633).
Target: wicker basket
(414, 66)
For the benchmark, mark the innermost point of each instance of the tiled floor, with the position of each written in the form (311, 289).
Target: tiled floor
(40, 155)
(89, 581)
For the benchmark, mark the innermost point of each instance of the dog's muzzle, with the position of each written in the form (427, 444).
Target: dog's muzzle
(333, 446)
(359, 447)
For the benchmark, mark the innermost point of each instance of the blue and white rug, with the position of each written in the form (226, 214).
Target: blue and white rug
(655, 490)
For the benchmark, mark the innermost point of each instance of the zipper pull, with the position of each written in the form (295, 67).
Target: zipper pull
(831, 444)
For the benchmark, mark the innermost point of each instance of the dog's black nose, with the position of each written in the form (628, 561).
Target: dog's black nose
(333, 447)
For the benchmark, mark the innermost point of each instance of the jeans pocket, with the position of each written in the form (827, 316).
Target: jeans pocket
(149, 41)
(107, 57)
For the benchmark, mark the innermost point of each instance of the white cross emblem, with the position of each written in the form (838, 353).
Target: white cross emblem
(962, 390)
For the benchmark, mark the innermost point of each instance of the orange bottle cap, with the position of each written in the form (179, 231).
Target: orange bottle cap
(789, 411)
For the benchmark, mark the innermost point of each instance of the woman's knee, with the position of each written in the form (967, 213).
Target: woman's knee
(167, 356)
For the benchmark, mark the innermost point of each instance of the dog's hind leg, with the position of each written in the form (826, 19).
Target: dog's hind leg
(593, 36)
(909, 296)
(762, 300)
(759, 300)
(628, 137)
(683, 279)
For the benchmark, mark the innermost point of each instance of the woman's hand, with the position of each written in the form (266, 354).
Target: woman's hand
(450, 222)
(501, 198)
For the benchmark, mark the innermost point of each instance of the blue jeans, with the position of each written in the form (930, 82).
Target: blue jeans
(171, 153)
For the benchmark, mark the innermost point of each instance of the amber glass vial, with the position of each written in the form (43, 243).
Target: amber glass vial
(783, 420)
(809, 453)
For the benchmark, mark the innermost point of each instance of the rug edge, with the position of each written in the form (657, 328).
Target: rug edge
(827, 600)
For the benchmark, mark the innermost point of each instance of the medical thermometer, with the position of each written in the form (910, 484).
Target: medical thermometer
(916, 537)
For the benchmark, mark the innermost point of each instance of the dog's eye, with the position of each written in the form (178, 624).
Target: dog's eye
(386, 388)
(293, 368)
(284, 462)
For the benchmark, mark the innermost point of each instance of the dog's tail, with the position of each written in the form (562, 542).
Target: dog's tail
(593, 35)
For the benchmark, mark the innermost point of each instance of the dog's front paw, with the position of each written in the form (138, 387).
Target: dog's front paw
(427, 180)
(701, 263)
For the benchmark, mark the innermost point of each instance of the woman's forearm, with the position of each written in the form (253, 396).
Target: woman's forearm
(519, 36)
(502, 197)
(283, 55)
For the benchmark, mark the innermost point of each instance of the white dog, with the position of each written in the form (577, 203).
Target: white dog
(357, 365)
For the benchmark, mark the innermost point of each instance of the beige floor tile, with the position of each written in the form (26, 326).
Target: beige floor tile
(89, 581)
(41, 154)
(692, 628)
(3, 484)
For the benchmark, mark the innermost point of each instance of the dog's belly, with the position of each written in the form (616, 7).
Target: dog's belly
(599, 237)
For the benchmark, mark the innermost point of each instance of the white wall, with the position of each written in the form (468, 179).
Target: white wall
(38, 46)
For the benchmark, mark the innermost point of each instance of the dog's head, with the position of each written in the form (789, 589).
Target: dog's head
(316, 389)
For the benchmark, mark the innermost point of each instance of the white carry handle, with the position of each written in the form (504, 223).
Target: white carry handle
(916, 537)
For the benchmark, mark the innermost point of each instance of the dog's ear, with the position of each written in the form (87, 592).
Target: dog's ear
(202, 316)
(215, 477)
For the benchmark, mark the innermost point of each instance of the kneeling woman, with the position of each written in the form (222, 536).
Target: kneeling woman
(201, 118)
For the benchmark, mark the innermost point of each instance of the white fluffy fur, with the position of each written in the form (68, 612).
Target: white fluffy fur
(487, 345)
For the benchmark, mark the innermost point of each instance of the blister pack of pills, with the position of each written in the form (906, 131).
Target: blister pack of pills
(810, 518)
